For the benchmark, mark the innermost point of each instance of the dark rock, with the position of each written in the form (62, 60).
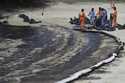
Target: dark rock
(24, 17)
(27, 19)
(5, 22)
(32, 21)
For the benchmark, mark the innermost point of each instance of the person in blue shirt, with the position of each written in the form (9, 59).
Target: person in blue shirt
(104, 17)
(92, 16)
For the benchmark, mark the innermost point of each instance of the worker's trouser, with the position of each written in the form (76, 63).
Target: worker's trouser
(114, 23)
(92, 20)
(98, 21)
(104, 20)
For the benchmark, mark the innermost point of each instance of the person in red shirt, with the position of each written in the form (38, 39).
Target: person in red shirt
(82, 19)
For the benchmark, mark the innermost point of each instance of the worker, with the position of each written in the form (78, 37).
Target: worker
(99, 17)
(92, 16)
(114, 16)
(104, 17)
(82, 19)
(98, 14)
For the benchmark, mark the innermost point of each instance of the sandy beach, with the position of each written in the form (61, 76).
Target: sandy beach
(59, 15)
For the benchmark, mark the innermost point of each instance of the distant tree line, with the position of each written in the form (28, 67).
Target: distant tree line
(23, 3)
(36, 3)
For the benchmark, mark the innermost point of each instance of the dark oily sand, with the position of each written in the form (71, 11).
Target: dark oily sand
(49, 53)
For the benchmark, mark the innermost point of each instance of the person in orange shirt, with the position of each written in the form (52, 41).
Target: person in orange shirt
(82, 19)
(114, 17)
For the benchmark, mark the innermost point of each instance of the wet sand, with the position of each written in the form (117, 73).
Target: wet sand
(49, 53)
(111, 73)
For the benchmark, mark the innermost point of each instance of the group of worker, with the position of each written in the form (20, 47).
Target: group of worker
(99, 18)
